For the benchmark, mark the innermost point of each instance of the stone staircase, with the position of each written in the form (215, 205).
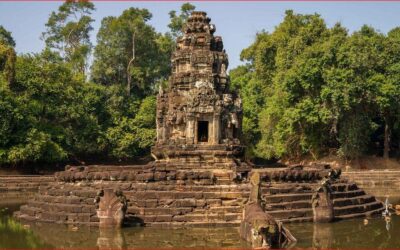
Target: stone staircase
(380, 183)
(291, 202)
(160, 196)
(23, 183)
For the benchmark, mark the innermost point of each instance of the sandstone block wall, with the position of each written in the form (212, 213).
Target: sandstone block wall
(380, 183)
(162, 196)
(23, 183)
(157, 198)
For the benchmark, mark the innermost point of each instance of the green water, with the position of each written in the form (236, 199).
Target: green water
(377, 233)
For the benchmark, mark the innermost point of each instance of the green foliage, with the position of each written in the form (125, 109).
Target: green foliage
(17, 235)
(35, 146)
(7, 63)
(7, 56)
(317, 88)
(68, 32)
(253, 99)
(6, 37)
(177, 21)
(52, 115)
(52, 112)
(113, 52)
(133, 136)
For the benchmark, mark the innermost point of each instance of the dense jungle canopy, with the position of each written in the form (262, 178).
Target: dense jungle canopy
(308, 90)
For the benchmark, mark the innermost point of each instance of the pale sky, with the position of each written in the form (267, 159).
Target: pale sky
(236, 22)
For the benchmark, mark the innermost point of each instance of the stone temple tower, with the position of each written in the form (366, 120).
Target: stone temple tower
(198, 117)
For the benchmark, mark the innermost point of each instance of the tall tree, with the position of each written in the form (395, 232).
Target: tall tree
(6, 37)
(68, 31)
(388, 89)
(7, 56)
(177, 21)
(129, 50)
(287, 73)
(314, 90)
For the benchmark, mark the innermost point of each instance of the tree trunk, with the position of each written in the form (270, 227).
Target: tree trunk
(398, 149)
(128, 85)
(386, 142)
(128, 68)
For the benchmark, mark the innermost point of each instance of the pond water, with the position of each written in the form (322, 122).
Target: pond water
(357, 233)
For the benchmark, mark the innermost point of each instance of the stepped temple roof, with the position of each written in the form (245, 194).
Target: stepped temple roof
(197, 109)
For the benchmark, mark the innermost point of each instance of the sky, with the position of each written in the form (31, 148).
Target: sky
(236, 22)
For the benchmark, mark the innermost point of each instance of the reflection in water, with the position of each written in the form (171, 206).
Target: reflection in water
(343, 234)
(62, 237)
(388, 222)
(322, 235)
(376, 233)
(15, 235)
(111, 239)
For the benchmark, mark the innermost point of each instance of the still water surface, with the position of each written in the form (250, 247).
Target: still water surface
(377, 233)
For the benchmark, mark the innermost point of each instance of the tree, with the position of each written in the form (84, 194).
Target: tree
(130, 50)
(7, 56)
(6, 37)
(53, 115)
(313, 90)
(253, 96)
(177, 21)
(287, 72)
(68, 32)
(388, 92)
(7, 63)
(133, 135)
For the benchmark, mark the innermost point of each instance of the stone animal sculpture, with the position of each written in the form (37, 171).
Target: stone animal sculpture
(321, 200)
(260, 228)
(111, 208)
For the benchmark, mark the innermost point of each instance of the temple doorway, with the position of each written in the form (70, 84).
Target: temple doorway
(202, 131)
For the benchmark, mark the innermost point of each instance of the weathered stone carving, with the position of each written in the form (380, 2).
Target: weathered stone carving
(111, 208)
(321, 200)
(197, 108)
(322, 205)
(258, 227)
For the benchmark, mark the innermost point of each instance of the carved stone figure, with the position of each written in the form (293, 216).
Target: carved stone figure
(111, 209)
(321, 200)
(258, 227)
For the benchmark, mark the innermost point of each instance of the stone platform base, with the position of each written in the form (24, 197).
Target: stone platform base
(155, 197)
(178, 198)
